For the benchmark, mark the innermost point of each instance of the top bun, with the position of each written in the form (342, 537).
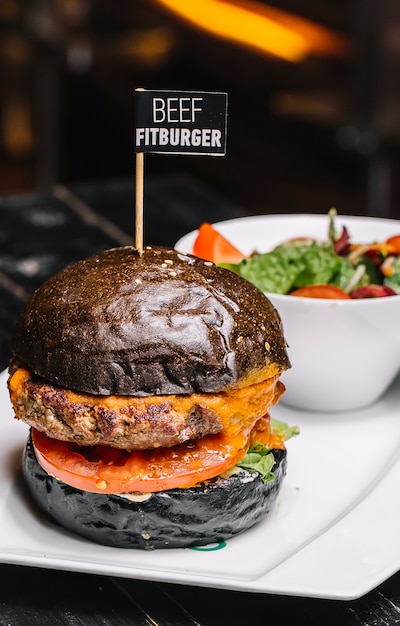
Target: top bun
(162, 322)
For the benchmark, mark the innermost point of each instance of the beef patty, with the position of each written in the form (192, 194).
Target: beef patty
(137, 422)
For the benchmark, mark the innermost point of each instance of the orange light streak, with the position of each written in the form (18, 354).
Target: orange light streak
(265, 29)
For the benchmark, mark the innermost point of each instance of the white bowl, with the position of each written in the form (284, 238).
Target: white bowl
(344, 353)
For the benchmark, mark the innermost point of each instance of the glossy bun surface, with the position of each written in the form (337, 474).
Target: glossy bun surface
(163, 322)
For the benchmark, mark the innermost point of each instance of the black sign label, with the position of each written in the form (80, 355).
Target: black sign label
(181, 122)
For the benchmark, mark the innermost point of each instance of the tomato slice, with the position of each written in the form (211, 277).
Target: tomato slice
(212, 246)
(321, 291)
(103, 469)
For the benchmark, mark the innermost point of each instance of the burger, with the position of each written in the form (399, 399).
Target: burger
(146, 380)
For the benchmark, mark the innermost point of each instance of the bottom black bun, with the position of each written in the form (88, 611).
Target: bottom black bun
(213, 511)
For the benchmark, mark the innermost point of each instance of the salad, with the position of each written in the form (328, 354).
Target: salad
(334, 268)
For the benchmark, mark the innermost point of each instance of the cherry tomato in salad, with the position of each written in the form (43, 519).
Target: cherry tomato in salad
(321, 291)
(212, 246)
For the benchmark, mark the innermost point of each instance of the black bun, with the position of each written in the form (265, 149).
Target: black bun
(162, 322)
(179, 518)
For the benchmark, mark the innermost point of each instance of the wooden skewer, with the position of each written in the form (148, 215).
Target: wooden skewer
(139, 202)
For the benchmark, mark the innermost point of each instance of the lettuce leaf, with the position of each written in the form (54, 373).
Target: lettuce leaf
(261, 459)
(291, 265)
(274, 271)
(283, 429)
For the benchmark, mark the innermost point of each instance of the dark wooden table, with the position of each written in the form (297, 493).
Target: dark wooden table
(39, 234)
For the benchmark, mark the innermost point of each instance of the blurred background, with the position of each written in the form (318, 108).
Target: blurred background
(314, 95)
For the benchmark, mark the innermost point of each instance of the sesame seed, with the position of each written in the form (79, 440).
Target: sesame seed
(267, 346)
